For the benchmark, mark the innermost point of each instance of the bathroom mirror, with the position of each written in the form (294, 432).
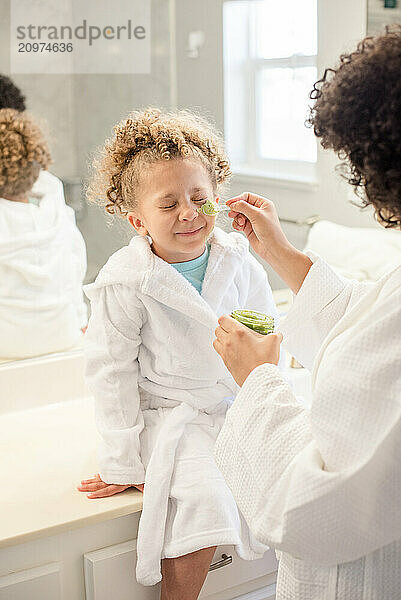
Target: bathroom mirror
(75, 113)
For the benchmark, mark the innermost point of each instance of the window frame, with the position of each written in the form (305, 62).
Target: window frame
(254, 163)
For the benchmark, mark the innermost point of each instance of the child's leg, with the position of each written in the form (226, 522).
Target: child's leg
(184, 576)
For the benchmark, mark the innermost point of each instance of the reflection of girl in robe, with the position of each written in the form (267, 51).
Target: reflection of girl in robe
(160, 388)
(42, 252)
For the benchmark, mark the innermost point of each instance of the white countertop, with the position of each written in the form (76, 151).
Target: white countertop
(44, 454)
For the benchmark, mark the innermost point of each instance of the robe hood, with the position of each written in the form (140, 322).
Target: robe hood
(138, 267)
(133, 262)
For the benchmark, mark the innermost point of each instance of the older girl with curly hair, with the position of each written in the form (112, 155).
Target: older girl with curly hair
(323, 486)
(42, 252)
(161, 391)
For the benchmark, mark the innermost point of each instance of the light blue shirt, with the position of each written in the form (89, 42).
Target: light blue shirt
(194, 270)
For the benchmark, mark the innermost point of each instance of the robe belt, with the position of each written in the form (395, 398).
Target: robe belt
(156, 493)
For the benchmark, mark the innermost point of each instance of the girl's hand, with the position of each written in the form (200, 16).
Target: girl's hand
(100, 489)
(242, 349)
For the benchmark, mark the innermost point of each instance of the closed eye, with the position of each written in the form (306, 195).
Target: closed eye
(203, 200)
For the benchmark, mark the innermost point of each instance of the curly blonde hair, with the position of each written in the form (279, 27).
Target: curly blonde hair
(146, 137)
(23, 152)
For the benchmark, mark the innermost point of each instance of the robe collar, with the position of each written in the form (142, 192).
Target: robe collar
(164, 283)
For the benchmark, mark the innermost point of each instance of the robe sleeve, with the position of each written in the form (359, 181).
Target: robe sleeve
(111, 345)
(320, 303)
(275, 454)
(273, 466)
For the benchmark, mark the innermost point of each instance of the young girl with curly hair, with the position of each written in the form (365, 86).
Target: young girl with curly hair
(161, 391)
(42, 252)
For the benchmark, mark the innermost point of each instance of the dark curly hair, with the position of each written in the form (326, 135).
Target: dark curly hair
(10, 95)
(357, 113)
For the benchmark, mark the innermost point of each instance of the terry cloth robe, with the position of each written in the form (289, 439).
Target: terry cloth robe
(42, 267)
(324, 486)
(161, 391)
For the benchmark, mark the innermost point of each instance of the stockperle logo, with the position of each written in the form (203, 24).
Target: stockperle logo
(71, 36)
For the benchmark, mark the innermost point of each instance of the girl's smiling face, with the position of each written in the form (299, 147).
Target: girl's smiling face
(169, 194)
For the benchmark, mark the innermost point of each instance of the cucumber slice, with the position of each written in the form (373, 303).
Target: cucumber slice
(209, 209)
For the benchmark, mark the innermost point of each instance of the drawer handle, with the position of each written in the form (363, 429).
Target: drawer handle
(225, 560)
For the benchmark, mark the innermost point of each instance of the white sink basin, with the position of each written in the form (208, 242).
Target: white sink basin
(43, 380)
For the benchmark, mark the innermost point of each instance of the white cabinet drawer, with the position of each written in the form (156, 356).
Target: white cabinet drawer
(39, 583)
(238, 571)
(110, 573)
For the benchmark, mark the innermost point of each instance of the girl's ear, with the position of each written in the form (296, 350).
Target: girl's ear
(136, 223)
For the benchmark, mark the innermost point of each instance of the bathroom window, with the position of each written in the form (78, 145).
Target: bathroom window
(270, 51)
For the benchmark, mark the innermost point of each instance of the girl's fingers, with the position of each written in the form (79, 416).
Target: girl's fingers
(98, 485)
(95, 478)
(109, 490)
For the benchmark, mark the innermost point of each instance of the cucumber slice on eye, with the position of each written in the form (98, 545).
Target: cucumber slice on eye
(255, 320)
(209, 209)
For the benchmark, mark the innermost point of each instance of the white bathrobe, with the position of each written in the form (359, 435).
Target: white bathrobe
(161, 391)
(324, 486)
(42, 267)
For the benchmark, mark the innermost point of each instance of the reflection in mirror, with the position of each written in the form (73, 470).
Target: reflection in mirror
(75, 113)
(42, 252)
